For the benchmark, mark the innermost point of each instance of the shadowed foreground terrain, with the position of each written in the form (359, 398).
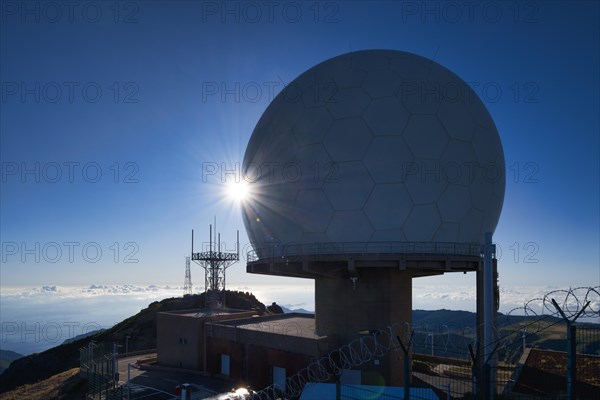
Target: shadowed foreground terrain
(63, 386)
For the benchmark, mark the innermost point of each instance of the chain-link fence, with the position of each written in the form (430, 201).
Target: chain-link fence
(544, 354)
(98, 366)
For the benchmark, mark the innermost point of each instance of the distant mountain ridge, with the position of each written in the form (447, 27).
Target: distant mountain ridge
(6, 357)
(83, 335)
(287, 310)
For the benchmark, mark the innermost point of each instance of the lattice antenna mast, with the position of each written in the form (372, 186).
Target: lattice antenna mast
(215, 264)
(187, 284)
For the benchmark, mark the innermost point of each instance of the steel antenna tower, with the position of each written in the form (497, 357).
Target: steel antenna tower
(187, 284)
(215, 263)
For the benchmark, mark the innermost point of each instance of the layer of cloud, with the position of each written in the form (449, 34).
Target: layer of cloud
(88, 291)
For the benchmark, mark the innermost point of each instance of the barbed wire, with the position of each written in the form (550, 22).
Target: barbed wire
(354, 354)
(383, 342)
(571, 301)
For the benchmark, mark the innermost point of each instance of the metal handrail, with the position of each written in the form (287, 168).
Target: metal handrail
(363, 248)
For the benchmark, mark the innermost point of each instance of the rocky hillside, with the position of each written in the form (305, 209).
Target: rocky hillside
(141, 328)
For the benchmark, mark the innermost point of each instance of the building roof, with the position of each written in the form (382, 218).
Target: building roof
(203, 312)
(293, 324)
(293, 332)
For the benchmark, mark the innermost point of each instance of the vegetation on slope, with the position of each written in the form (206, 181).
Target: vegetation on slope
(63, 386)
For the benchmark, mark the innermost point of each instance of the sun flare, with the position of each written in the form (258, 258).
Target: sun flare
(237, 191)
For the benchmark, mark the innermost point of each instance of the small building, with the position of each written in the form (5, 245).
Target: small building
(180, 338)
(254, 350)
(250, 349)
(264, 350)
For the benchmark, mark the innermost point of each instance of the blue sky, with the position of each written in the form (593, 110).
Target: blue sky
(158, 119)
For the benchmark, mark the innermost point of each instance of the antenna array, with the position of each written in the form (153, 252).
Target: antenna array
(215, 264)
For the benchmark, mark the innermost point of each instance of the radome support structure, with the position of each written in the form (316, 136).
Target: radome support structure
(215, 264)
(187, 284)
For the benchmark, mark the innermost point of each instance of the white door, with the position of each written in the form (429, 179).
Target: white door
(279, 377)
(224, 364)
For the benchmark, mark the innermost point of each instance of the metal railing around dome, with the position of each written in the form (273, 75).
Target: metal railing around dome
(325, 250)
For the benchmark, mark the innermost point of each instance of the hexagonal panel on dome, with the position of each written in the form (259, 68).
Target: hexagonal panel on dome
(314, 237)
(422, 223)
(485, 143)
(420, 97)
(268, 226)
(347, 139)
(344, 77)
(492, 213)
(459, 163)
(386, 116)
(387, 158)
(286, 113)
(349, 226)
(283, 230)
(281, 148)
(349, 187)
(277, 196)
(388, 206)
(384, 83)
(347, 103)
(479, 113)
(319, 93)
(424, 181)
(480, 191)
(457, 120)
(455, 203)
(425, 136)
(312, 211)
(371, 60)
(315, 166)
(388, 235)
(410, 66)
(470, 227)
(447, 232)
(313, 126)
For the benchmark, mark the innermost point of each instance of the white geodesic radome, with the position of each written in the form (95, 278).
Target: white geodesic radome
(373, 147)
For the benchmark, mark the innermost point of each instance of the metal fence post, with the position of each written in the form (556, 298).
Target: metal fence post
(406, 364)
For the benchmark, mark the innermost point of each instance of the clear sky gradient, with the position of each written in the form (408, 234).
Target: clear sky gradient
(146, 93)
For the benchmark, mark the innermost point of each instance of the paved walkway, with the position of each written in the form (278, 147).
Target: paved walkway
(155, 385)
